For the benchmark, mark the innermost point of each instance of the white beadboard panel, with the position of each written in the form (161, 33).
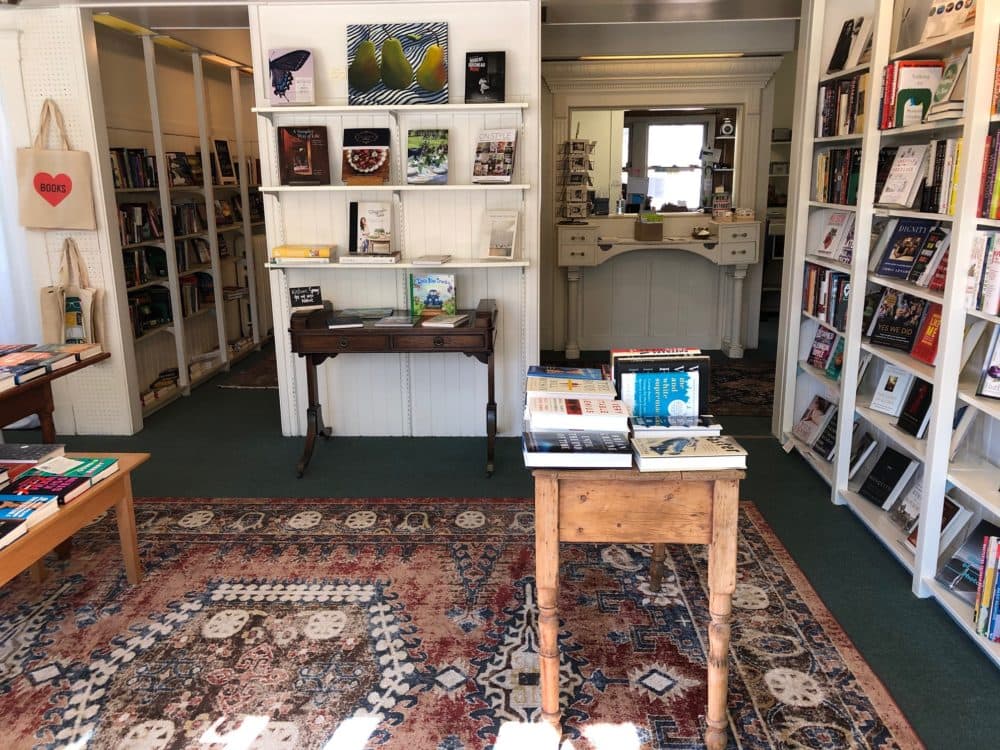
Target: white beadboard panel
(202, 334)
(638, 299)
(449, 395)
(361, 394)
(153, 355)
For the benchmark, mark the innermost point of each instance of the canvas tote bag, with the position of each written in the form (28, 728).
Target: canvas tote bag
(72, 311)
(53, 185)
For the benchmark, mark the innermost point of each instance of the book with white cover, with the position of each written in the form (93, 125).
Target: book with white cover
(838, 225)
(602, 414)
(904, 177)
(569, 388)
(431, 260)
(814, 420)
(688, 453)
(891, 389)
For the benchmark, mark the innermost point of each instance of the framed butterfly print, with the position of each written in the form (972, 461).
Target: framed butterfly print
(291, 76)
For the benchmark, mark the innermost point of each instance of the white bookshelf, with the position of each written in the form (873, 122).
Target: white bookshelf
(973, 474)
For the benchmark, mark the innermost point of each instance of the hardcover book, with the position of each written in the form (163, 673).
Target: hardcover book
(898, 321)
(443, 320)
(704, 425)
(365, 156)
(303, 155)
(842, 49)
(570, 373)
(915, 414)
(926, 346)
(427, 157)
(961, 573)
(904, 177)
(92, 469)
(834, 234)
(494, 158)
(860, 452)
(569, 387)
(888, 477)
(903, 248)
(292, 76)
(65, 488)
(30, 453)
(891, 389)
(666, 362)
(688, 453)
(822, 347)
(432, 294)
(915, 84)
(576, 448)
(949, 96)
(11, 530)
(661, 394)
(484, 77)
(339, 320)
(927, 260)
(906, 510)
(954, 516)
(600, 414)
(390, 321)
(370, 227)
(836, 362)
(813, 420)
(826, 443)
(989, 382)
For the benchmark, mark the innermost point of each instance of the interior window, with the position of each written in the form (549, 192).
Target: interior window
(673, 164)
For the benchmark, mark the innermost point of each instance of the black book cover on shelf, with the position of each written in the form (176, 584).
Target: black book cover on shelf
(916, 409)
(903, 247)
(960, 574)
(887, 478)
(898, 320)
(484, 77)
(843, 47)
(303, 155)
(826, 443)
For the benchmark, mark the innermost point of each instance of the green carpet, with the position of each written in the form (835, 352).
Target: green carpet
(227, 443)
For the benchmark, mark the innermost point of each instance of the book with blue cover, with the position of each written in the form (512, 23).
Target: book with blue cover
(903, 248)
(571, 373)
(661, 394)
(29, 508)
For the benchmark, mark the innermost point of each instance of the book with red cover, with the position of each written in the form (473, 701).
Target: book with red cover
(14, 470)
(65, 488)
(925, 348)
(940, 274)
(900, 316)
(916, 410)
(303, 155)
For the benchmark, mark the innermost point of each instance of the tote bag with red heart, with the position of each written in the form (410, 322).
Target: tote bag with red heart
(53, 185)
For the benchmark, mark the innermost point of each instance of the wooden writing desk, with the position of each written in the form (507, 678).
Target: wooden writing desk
(626, 506)
(313, 340)
(35, 397)
(29, 549)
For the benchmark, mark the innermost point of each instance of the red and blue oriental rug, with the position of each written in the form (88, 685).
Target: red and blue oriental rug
(350, 624)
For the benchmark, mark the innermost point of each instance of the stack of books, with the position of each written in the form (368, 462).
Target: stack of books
(21, 363)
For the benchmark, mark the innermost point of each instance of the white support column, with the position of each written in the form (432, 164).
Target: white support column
(244, 176)
(573, 299)
(736, 332)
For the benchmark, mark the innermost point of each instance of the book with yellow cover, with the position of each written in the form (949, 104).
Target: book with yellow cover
(303, 252)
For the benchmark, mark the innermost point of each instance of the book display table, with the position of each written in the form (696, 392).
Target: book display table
(626, 506)
(312, 339)
(28, 550)
(35, 397)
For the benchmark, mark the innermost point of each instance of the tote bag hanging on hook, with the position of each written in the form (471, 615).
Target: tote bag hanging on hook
(72, 311)
(53, 185)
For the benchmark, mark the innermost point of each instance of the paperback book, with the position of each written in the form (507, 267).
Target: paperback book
(30, 453)
(915, 415)
(688, 453)
(494, 158)
(94, 470)
(661, 394)
(65, 488)
(954, 516)
(365, 156)
(832, 238)
(891, 389)
(962, 572)
(370, 231)
(822, 347)
(813, 420)
(906, 510)
(303, 155)
(485, 77)
(576, 449)
(28, 508)
(11, 531)
(598, 414)
(860, 452)
(569, 387)
(989, 382)
(826, 443)
(558, 371)
(704, 425)
(292, 76)
(427, 157)
(888, 477)
(392, 321)
(444, 320)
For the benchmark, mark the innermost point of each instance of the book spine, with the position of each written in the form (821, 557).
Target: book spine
(953, 193)
(986, 178)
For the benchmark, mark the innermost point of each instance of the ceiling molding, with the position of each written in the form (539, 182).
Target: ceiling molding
(659, 75)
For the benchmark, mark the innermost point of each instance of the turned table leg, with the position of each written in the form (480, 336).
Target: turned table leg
(721, 584)
(547, 587)
(656, 566)
(314, 417)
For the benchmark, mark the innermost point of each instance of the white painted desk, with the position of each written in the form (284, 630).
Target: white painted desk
(734, 246)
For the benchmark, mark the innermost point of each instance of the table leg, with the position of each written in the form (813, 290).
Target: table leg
(656, 566)
(491, 417)
(721, 584)
(125, 513)
(38, 572)
(48, 426)
(314, 417)
(547, 587)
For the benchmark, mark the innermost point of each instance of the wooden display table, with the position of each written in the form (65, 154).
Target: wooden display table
(313, 340)
(626, 506)
(28, 550)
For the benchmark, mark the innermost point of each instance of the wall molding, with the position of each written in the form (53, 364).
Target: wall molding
(659, 75)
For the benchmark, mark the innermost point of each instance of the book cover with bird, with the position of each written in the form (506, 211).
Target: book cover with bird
(397, 63)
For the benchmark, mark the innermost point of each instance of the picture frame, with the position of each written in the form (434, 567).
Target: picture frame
(499, 235)
(224, 162)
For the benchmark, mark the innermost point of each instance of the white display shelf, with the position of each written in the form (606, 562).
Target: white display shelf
(821, 467)
(202, 311)
(908, 214)
(140, 287)
(939, 46)
(961, 613)
(886, 424)
(833, 265)
(925, 127)
(967, 393)
(908, 288)
(877, 521)
(199, 268)
(392, 188)
(837, 138)
(988, 222)
(832, 386)
(983, 316)
(393, 266)
(843, 73)
(824, 323)
(836, 206)
(901, 359)
(346, 109)
(979, 479)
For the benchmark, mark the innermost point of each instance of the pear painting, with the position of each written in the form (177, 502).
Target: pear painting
(397, 63)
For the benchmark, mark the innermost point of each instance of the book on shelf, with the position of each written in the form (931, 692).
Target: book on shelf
(941, 178)
(48, 361)
(431, 260)
(576, 449)
(485, 77)
(984, 273)
(569, 387)
(306, 298)
(370, 227)
(393, 256)
(940, 275)
(303, 155)
(838, 224)
(916, 412)
(989, 381)
(661, 394)
(31, 509)
(494, 157)
(30, 453)
(888, 477)
(302, 253)
(926, 346)
(860, 451)
(948, 100)
(444, 320)
(861, 45)
(813, 420)
(945, 18)
(595, 414)
(822, 348)
(427, 157)
(954, 516)
(962, 572)
(688, 453)
(934, 247)
(836, 362)
(64, 488)
(670, 426)
(12, 530)
(404, 320)
(837, 173)
(825, 443)
(910, 87)
(93, 469)
(365, 156)
(292, 76)
(178, 169)
(570, 373)
(905, 176)
(984, 607)
(367, 313)
(432, 294)
(849, 31)
(338, 320)
(498, 236)
(905, 512)
(891, 389)
(14, 375)
(898, 320)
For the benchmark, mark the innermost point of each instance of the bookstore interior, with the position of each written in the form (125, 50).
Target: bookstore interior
(753, 253)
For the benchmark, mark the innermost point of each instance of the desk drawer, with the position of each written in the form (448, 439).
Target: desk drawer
(440, 342)
(367, 342)
(737, 232)
(576, 255)
(736, 253)
(571, 234)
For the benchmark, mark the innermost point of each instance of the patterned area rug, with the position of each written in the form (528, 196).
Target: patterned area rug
(260, 374)
(742, 388)
(350, 624)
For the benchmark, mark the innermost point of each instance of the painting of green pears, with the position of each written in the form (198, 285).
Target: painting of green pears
(397, 63)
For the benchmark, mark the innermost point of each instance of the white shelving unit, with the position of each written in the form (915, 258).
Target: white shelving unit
(229, 329)
(965, 463)
(418, 394)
